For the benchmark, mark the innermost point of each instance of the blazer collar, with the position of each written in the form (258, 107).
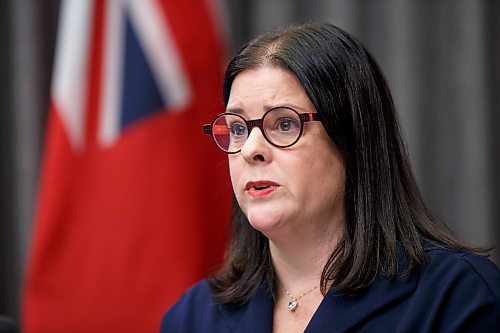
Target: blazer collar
(254, 316)
(339, 313)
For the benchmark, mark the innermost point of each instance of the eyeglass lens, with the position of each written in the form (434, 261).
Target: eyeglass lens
(281, 126)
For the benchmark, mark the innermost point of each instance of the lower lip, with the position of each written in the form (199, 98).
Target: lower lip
(261, 193)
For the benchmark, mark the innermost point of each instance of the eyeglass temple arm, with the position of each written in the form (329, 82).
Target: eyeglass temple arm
(207, 129)
(310, 116)
(215, 129)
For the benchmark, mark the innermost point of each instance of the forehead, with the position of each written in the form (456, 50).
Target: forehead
(257, 90)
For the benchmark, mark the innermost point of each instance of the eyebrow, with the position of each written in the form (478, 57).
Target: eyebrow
(235, 110)
(240, 111)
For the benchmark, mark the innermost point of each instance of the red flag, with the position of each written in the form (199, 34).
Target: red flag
(133, 201)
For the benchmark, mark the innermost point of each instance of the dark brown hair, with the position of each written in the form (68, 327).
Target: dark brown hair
(383, 206)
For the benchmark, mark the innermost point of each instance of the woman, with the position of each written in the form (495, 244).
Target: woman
(330, 231)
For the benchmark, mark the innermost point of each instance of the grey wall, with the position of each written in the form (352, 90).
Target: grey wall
(27, 38)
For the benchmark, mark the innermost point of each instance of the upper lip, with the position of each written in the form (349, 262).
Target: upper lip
(251, 184)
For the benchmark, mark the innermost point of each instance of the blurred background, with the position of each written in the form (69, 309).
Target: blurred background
(441, 59)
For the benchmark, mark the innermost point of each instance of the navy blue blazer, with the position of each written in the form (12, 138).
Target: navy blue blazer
(453, 292)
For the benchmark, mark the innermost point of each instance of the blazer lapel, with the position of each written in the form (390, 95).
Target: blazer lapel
(254, 316)
(339, 313)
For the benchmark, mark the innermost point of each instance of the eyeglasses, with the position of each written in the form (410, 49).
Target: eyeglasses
(281, 126)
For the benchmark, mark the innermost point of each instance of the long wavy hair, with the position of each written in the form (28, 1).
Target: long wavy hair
(383, 206)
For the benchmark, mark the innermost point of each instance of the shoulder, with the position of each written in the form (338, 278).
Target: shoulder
(459, 288)
(194, 312)
(448, 264)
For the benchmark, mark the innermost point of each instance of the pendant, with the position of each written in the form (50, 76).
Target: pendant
(293, 304)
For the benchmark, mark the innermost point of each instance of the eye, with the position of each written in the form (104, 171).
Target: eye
(287, 124)
(238, 129)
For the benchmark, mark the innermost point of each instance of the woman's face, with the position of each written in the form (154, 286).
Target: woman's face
(302, 185)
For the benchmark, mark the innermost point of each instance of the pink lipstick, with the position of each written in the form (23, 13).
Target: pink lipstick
(260, 188)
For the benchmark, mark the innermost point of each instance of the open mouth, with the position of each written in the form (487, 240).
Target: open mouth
(260, 188)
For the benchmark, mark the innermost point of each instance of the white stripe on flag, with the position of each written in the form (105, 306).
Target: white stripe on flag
(70, 70)
(161, 51)
(112, 81)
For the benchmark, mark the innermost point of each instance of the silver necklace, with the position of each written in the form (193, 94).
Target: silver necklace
(294, 302)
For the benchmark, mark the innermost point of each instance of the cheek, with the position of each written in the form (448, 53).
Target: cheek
(234, 172)
(325, 178)
(334, 185)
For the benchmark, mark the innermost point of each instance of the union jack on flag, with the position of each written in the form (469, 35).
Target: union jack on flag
(133, 202)
(141, 71)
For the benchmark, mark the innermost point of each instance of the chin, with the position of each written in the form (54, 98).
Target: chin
(264, 221)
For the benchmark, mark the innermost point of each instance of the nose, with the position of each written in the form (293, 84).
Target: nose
(256, 149)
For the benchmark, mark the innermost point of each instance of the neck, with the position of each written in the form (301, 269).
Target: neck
(299, 257)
